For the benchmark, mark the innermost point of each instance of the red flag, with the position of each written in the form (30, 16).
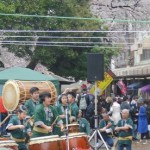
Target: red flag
(122, 87)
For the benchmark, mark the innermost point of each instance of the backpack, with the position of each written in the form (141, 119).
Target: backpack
(83, 103)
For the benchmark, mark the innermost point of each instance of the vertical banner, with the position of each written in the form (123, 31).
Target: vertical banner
(122, 87)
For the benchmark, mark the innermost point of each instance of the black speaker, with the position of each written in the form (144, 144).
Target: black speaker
(95, 67)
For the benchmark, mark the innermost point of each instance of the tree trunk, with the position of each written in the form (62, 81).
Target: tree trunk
(32, 64)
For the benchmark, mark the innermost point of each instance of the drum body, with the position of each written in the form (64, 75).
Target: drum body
(16, 92)
(76, 140)
(73, 128)
(45, 143)
(8, 145)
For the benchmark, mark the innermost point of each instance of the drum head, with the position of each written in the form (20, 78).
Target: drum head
(10, 95)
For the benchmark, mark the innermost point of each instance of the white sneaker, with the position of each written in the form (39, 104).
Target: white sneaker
(145, 142)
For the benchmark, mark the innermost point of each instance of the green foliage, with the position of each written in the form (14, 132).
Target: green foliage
(64, 61)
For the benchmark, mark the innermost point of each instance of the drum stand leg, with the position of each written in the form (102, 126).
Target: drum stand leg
(67, 138)
(96, 124)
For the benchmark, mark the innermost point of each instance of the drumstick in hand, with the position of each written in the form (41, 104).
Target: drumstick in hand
(5, 120)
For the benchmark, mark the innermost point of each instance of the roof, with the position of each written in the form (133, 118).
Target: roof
(26, 74)
(62, 79)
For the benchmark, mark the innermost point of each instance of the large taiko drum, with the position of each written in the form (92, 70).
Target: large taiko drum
(76, 141)
(45, 143)
(16, 92)
(8, 145)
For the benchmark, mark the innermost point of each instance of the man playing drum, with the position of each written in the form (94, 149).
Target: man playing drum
(19, 128)
(34, 101)
(106, 126)
(45, 116)
(84, 125)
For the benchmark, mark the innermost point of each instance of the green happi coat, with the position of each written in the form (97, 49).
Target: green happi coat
(46, 116)
(84, 125)
(62, 110)
(103, 124)
(74, 110)
(123, 133)
(30, 105)
(19, 133)
(56, 128)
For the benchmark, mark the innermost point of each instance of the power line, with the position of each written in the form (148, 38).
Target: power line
(52, 42)
(78, 18)
(65, 42)
(60, 45)
(61, 37)
(69, 31)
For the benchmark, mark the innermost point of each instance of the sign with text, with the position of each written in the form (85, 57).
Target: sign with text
(102, 85)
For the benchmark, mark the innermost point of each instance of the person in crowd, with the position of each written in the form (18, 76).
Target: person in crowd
(125, 104)
(33, 101)
(84, 125)
(134, 115)
(45, 116)
(124, 129)
(108, 103)
(115, 111)
(148, 113)
(19, 128)
(74, 109)
(106, 126)
(142, 121)
(3, 115)
(83, 99)
(89, 115)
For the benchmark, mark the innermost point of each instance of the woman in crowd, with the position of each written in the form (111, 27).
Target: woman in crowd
(142, 121)
(115, 110)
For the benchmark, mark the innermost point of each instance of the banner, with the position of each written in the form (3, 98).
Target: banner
(122, 87)
(102, 85)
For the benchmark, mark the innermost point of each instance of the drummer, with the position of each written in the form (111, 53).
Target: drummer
(106, 126)
(19, 128)
(61, 109)
(84, 125)
(45, 116)
(74, 109)
(33, 101)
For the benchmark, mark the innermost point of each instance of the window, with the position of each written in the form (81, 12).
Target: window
(145, 55)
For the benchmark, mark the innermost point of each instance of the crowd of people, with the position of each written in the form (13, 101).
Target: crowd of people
(125, 117)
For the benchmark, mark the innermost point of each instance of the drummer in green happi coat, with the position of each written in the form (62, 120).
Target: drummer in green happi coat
(33, 101)
(19, 128)
(62, 109)
(84, 125)
(45, 116)
(73, 107)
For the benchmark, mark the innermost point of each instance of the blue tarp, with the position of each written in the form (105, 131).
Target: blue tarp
(134, 86)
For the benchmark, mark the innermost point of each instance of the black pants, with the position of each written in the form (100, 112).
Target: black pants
(146, 134)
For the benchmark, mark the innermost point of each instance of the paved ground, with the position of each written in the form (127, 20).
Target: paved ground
(135, 146)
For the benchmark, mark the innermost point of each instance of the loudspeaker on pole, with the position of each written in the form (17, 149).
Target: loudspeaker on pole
(95, 67)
